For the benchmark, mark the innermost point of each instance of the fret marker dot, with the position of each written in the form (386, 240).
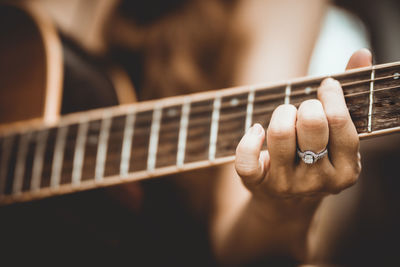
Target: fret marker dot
(307, 90)
(234, 102)
(95, 126)
(92, 139)
(396, 76)
(172, 112)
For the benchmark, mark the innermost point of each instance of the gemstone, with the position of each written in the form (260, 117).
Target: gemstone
(309, 159)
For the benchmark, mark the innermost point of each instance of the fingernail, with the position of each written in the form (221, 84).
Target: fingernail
(256, 129)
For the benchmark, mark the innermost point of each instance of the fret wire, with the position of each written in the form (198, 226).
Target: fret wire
(268, 109)
(298, 103)
(292, 93)
(214, 128)
(41, 139)
(102, 146)
(154, 132)
(370, 112)
(20, 165)
(79, 152)
(299, 94)
(58, 156)
(288, 90)
(184, 122)
(360, 92)
(371, 99)
(5, 158)
(334, 76)
(249, 109)
(229, 134)
(127, 143)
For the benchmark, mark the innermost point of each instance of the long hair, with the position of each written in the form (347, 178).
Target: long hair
(183, 47)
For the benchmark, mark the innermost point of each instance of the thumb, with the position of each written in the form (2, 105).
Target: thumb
(250, 163)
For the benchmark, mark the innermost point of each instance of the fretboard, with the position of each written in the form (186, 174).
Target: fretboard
(150, 139)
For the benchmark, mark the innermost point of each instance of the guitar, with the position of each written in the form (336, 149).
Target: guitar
(127, 143)
(57, 155)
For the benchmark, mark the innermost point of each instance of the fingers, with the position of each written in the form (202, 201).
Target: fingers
(312, 126)
(343, 137)
(316, 125)
(361, 58)
(250, 163)
(281, 136)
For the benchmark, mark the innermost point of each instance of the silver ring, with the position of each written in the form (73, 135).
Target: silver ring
(310, 157)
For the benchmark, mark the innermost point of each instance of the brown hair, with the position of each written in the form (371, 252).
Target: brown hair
(184, 48)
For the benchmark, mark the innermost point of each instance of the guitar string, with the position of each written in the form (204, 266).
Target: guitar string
(295, 93)
(205, 120)
(161, 150)
(206, 111)
(266, 110)
(113, 135)
(231, 150)
(199, 122)
(66, 181)
(314, 90)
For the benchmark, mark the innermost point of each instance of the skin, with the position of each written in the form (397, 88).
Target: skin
(264, 204)
(266, 208)
(285, 192)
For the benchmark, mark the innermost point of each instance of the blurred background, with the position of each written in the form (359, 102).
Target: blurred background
(119, 51)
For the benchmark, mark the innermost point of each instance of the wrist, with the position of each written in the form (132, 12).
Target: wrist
(284, 208)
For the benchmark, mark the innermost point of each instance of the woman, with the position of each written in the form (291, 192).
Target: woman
(260, 209)
(267, 212)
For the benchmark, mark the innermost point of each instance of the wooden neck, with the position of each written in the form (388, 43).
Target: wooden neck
(128, 143)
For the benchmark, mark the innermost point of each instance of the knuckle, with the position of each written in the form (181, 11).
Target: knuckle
(337, 119)
(348, 177)
(246, 169)
(311, 115)
(282, 124)
(246, 172)
(313, 122)
(241, 149)
(246, 148)
(354, 142)
(347, 182)
(359, 165)
(281, 132)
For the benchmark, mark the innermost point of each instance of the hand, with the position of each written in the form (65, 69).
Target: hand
(317, 124)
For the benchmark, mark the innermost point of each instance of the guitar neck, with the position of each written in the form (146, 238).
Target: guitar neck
(128, 143)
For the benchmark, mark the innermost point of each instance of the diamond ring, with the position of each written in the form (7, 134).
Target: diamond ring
(310, 157)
